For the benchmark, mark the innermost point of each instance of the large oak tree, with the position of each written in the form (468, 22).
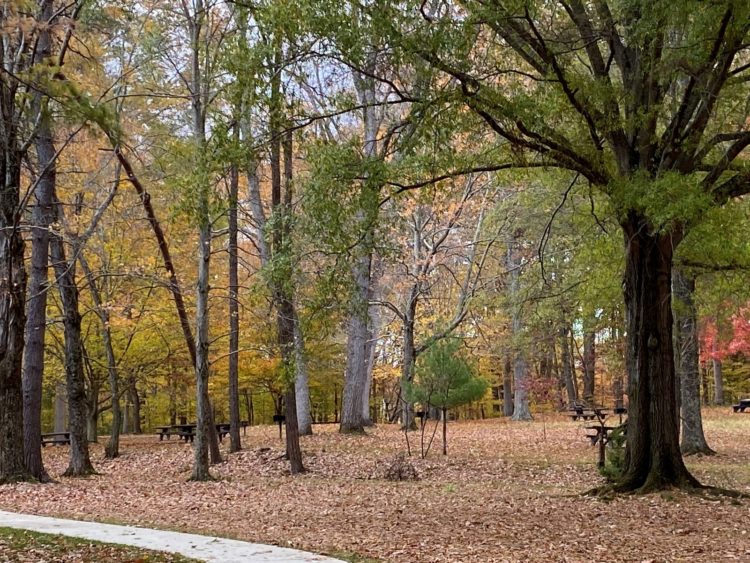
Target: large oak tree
(644, 101)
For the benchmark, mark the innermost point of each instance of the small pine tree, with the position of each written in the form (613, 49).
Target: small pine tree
(445, 379)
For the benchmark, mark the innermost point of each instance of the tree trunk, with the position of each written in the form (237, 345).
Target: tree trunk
(135, 400)
(589, 366)
(281, 255)
(567, 365)
(521, 409)
(686, 340)
(507, 386)
(652, 460)
(61, 406)
(407, 366)
(12, 316)
(92, 425)
(301, 382)
(718, 377)
(203, 429)
(355, 382)
(235, 444)
(370, 351)
(36, 306)
(112, 449)
(445, 431)
(285, 324)
(80, 461)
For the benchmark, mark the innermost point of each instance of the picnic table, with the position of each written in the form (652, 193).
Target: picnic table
(742, 405)
(587, 413)
(601, 434)
(187, 431)
(56, 438)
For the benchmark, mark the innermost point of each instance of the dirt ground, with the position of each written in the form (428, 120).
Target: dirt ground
(506, 492)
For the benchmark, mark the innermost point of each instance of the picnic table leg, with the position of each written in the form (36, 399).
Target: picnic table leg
(602, 444)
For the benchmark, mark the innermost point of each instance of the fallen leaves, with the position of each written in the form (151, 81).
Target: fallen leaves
(508, 492)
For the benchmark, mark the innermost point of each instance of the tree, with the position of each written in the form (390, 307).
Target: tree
(444, 379)
(12, 271)
(635, 98)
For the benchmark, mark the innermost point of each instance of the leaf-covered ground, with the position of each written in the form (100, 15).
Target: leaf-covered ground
(21, 546)
(506, 492)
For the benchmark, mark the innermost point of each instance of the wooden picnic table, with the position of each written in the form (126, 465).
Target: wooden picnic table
(741, 405)
(587, 413)
(601, 435)
(56, 438)
(187, 431)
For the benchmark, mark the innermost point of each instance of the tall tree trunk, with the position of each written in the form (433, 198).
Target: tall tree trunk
(686, 340)
(567, 365)
(507, 386)
(92, 425)
(205, 432)
(12, 314)
(302, 387)
(234, 316)
(61, 407)
(36, 307)
(112, 449)
(370, 350)
(358, 323)
(201, 463)
(653, 459)
(80, 461)
(521, 409)
(589, 366)
(301, 381)
(718, 375)
(408, 361)
(281, 255)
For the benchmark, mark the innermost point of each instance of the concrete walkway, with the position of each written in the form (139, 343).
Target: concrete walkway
(204, 548)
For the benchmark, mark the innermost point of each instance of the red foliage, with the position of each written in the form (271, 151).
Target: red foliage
(716, 343)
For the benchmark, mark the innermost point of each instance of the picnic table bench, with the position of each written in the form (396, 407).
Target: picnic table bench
(56, 438)
(742, 405)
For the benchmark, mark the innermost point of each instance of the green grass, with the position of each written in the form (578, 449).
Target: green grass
(24, 545)
(353, 557)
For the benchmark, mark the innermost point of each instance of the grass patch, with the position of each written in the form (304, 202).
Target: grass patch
(353, 557)
(24, 545)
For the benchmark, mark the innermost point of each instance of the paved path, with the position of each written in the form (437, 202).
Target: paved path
(205, 548)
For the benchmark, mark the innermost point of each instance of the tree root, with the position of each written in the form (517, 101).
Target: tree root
(612, 490)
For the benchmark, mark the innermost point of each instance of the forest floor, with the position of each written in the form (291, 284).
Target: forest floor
(507, 491)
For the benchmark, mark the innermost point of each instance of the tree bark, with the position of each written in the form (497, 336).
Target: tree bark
(12, 314)
(61, 406)
(355, 379)
(282, 259)
(112, 449)
(301, 381)
(589, 366)
(652, 460)
(507, 386)
(36, 307)
(521, 409)
(235, 444)
(686, 340)
(408, 361)
(718, 376)
(80, 461)
(567, 365)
